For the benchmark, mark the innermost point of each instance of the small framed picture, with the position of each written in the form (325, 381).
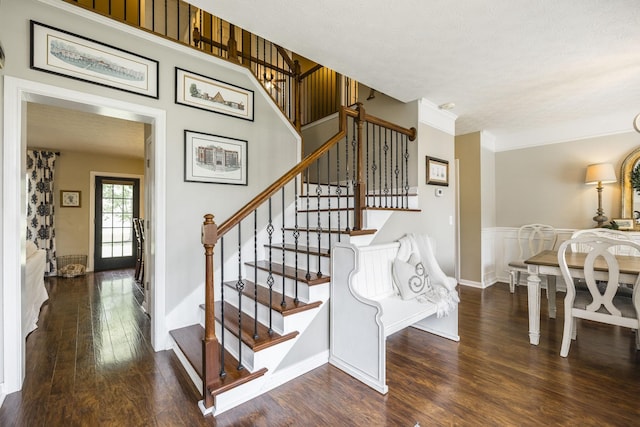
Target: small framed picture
(69, 199)
(437, 171)
(624, 223)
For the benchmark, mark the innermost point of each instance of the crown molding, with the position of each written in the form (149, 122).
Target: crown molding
(430, 114)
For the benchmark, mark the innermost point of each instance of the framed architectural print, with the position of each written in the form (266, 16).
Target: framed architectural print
(215, 159)
(206, 93)
(70, 199)
(437, 171)
(66, 54)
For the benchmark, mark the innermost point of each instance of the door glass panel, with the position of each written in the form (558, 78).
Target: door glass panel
(117, 208)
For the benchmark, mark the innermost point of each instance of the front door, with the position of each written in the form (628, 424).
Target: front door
(117, 203)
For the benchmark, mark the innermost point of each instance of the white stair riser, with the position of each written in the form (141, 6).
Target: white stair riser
(248, 307)
(290, 260)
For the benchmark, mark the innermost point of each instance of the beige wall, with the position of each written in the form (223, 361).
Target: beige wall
(73, 173)
(545, 184)
(468, 150)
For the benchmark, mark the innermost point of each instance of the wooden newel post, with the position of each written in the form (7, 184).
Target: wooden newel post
(210, 347)
(359, 190)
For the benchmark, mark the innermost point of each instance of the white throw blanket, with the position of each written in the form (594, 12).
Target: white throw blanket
(442, 290)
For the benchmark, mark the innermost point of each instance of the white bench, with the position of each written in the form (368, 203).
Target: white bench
(365, 310)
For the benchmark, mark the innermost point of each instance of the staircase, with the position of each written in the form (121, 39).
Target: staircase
(265, 320)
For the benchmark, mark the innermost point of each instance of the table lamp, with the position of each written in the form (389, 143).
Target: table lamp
(600, 173)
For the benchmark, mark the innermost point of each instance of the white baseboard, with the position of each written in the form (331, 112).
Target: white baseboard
(2, 394)
(471, 284)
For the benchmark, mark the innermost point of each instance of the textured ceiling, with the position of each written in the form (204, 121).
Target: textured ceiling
(525, 71)
(62, 129)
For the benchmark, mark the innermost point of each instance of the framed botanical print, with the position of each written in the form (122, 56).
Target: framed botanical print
(70, 199)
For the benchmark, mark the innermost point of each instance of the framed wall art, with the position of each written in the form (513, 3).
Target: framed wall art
(206, 93)
(624, 224)
(70, 55)
(437, 171)
(215, 159)
(70, 199)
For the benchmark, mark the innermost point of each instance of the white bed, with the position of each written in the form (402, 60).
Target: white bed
(34, 294)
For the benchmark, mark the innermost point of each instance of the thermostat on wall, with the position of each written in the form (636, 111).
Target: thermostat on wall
(439, 192)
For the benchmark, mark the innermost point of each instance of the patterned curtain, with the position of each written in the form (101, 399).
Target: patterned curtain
(40, 210)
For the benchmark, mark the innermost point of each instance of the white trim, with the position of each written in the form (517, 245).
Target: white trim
(300, 368)
(16, 93)
(472, 284)
(92, 206)
(2, 394)
(430, 114)
(612, 124)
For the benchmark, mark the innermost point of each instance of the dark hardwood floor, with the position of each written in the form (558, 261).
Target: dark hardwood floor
(90, 363)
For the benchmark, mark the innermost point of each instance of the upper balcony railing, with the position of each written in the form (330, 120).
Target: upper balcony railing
(302, 96)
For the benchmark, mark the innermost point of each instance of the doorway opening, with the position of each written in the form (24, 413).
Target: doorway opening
(17, 92)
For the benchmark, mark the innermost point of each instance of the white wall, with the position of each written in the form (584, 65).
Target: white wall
(273, 146)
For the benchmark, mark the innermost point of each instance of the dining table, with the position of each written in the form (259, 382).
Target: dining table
(546, 263)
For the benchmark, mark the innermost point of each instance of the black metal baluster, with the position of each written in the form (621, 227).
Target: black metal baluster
(296, 233)
(366, 168)
(270, 280)
(328, 203)
(319, 225)
(240, 288)
(386, 170)
(223, 373)
(346, 162)
(374, 166)
(283, 303)
(396, 189)
(308, 275)
(406, 171)
(338, 189)
(255, 274)
(380, 165)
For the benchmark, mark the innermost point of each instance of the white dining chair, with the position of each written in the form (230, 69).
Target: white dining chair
(602, 301)
(532, 239)
(609, 233)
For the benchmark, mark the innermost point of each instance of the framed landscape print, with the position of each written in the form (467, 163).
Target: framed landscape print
(70, 55)
(215, 159)
(206, 93)
(437, 171)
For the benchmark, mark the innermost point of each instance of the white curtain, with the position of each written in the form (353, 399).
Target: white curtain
(40, 210)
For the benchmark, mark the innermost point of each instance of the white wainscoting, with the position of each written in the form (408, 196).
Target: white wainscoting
(500, 246)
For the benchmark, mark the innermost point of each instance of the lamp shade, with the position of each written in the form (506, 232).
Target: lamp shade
(600, 172)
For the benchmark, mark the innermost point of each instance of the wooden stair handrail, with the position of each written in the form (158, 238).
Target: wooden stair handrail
(288, 176)
(307, 161)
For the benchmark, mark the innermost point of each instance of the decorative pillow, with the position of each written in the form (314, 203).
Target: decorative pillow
(410, 277)
(71, 270)
(31, 248)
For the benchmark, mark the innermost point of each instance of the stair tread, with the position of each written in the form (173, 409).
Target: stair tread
(336, 231)
(326, 210)
(189, 339)
(264, 340)
(381, 208)
(292, 247)
(291, 306)
(291, 273)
